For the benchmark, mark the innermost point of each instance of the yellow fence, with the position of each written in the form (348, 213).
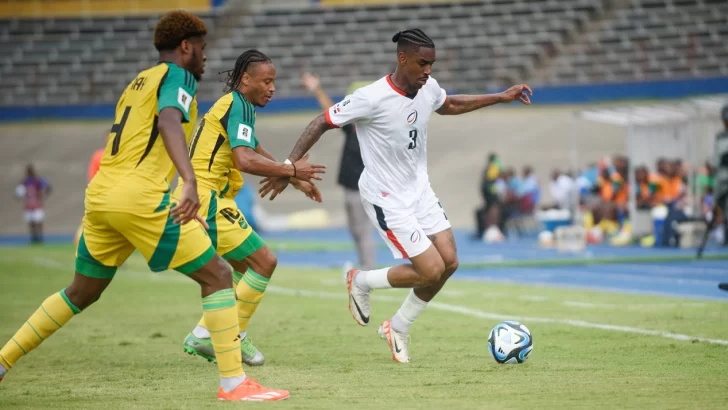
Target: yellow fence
(74, 8)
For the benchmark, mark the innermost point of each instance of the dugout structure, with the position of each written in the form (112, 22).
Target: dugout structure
(682, 129)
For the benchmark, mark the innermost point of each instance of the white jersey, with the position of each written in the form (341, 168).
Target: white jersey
(392, 131)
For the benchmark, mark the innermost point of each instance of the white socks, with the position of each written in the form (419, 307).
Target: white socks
(230, 383)
(408, 313)
(372, 279)
(201, 332)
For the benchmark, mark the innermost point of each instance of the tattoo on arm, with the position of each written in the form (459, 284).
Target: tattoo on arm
(310, 136)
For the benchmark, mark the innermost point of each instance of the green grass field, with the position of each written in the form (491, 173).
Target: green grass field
(126, 352)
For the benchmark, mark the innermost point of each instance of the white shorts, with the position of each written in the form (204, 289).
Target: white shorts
(405, 231)
(35, 215)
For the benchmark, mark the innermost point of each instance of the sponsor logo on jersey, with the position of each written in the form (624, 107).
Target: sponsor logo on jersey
(415, 237)
(244, 132)
(385, 194)
(345, 102)
(184, 99)
(412, 117)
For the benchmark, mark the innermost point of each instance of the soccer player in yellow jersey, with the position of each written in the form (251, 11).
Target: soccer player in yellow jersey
(128, 207)
(224, 144)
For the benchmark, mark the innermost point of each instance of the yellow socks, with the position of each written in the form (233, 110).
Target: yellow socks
(218, 314)
(236, 279)
(55, 312)
(250, 291)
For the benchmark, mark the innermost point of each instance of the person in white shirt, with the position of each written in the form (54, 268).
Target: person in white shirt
(391, 116)
(561, 189)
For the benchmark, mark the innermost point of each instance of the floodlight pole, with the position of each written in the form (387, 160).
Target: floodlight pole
(632, 191)
(575, 166)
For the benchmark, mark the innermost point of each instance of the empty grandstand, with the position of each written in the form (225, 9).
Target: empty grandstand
(59, 60)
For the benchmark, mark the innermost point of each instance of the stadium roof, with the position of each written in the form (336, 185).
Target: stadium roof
(658, 114)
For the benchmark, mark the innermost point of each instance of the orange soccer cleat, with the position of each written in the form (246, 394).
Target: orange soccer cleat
(251, 390)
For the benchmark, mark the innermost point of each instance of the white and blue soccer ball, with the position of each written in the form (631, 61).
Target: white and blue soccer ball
(510, 342)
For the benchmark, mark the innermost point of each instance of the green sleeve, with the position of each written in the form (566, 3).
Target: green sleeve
(240, 126)
(177, 89)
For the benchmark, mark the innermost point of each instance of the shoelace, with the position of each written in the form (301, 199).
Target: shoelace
(251, 382)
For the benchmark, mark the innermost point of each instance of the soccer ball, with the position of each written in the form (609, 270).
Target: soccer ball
(510, 342)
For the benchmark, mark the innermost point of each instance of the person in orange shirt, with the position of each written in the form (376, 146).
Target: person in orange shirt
(93, 168)
(672, 185)
(95, 163)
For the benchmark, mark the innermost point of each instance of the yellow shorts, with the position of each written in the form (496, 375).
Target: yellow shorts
(109, 238)
(230, 233)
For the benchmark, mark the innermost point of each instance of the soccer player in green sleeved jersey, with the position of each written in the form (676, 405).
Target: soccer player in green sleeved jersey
(128, 207)
(224, 144)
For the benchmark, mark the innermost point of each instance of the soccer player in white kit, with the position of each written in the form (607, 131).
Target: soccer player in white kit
(391, 117)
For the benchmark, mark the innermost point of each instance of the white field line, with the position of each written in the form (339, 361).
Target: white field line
(499, 316)
(435, 305)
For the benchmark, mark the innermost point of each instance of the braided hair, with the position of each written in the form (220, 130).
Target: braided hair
(244, 61)
(411, 40)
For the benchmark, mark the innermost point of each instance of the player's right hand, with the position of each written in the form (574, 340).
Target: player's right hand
(521, 93)
(306, 171)
(189, 203)
(310, 81)
(308, 188)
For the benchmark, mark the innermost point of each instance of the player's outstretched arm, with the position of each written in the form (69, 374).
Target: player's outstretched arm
(173, 136)
(252, 162)
(310, 136)
(461, 104)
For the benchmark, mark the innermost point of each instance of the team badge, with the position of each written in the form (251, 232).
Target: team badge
(412, 117)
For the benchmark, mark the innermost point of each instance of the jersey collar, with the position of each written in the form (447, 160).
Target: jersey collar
(399, 90)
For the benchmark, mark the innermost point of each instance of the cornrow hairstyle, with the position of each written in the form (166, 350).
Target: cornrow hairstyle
(412, 40)
(175, 27)
(244, 61)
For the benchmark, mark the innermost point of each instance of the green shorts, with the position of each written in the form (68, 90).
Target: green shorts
(247, 248)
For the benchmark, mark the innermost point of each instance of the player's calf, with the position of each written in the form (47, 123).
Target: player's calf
(85, 290)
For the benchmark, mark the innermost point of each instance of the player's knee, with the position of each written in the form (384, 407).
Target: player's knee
(216, 275)
(271, 262)
(433, 272)
(81, 298)
(451, 264)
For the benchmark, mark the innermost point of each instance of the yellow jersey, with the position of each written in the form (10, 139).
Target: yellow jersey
(230, 123)
(135, 168)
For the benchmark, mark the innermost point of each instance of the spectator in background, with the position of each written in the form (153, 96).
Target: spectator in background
(484, 216)
(33, 190)
(671, 185)
(646, 188)
(508, 198)
(351, 168)
(561, 188)
(528, 190)
(705, 179)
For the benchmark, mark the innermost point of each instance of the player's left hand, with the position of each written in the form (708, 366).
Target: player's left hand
(308, 188)
(189, 203)
(274, 185)
(521, 92)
